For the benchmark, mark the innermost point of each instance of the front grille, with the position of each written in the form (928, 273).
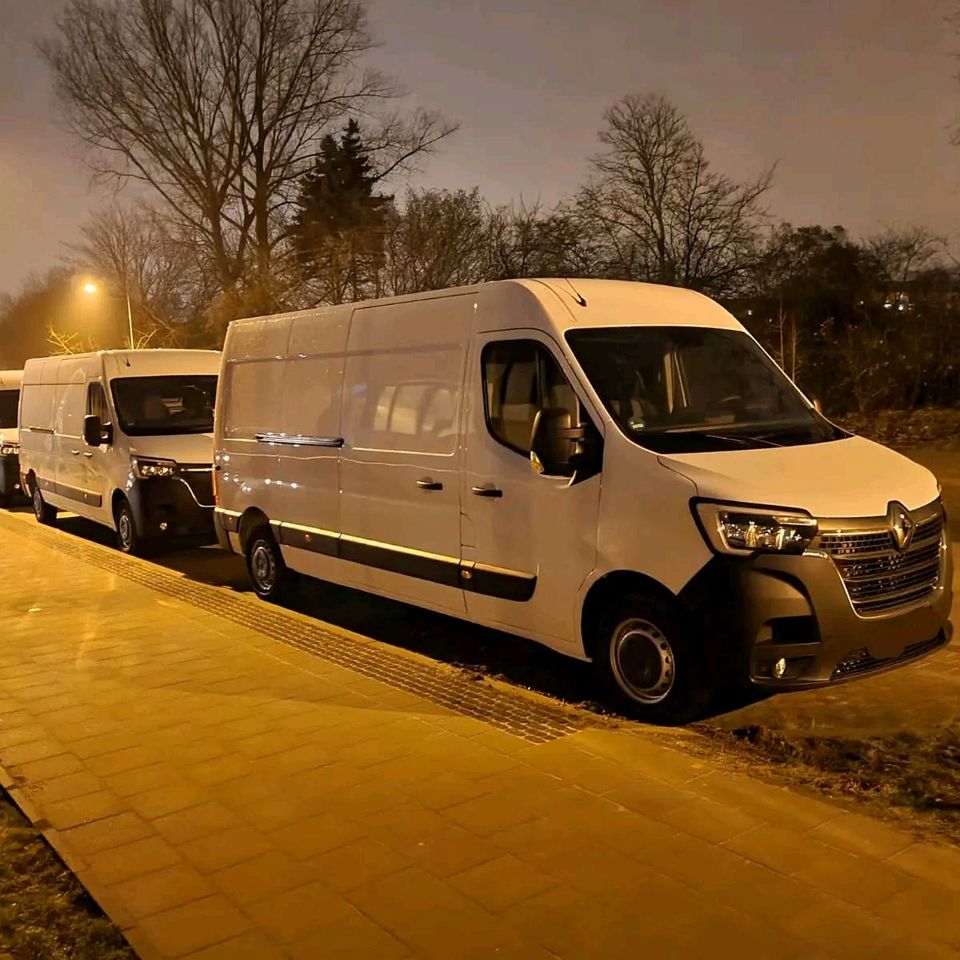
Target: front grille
(860, 661)
(880, 579)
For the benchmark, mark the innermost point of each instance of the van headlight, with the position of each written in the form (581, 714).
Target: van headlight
(146, 467)
(743, 531)
(9, 449)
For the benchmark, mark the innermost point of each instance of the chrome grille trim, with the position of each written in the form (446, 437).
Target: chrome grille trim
(879, 579)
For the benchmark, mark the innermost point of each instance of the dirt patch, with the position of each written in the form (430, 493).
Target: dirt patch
(907, 428)
(908, 777)
(45, 914)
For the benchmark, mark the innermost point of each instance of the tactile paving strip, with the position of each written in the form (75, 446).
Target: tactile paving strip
(513, 713)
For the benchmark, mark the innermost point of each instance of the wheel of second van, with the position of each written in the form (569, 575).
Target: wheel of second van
(272, 579)
(648, 662)
(41, 509)
(128, 538)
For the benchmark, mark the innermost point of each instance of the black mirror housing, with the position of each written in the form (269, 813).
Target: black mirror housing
(95, 432)
(554, 442)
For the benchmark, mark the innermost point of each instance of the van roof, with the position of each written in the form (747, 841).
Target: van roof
(607, 302)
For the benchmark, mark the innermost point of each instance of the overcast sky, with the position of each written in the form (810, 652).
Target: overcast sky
(853, 99)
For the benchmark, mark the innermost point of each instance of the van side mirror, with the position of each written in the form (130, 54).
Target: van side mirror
(818, 406)
(95, 432)
(561, 448)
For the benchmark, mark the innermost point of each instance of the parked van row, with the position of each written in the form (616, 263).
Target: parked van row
(615, 470)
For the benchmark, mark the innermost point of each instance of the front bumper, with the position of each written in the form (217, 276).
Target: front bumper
(173, 508)
(769, 608)
(9, 474)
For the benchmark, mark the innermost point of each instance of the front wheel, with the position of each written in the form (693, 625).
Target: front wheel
(648, 663)
(42, 510)
(128, 538)
(272, 579)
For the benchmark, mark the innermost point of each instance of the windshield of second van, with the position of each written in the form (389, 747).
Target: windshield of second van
(8, 407)
(695, 389)
(154, 406)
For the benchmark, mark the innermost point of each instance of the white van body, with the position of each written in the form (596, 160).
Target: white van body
(155, 451)
(387, 446)
(9, 434)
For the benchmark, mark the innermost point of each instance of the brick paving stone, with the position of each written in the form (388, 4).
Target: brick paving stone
(248, 946)
(215, 851)
(500, 883)
(161, 801)
(65, 814)
(861, 835)
(81, 783)
(307, 839)
(351, 939)
(132, 860)
(293, 914)
(192, 823)
(261, 876)
(162, 889)
(105, 834)
(189, 928)
(362, 861)
(934, 862)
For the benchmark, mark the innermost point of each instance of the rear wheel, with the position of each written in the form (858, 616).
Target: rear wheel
(649, 664)
(272, 579)
(41, 509)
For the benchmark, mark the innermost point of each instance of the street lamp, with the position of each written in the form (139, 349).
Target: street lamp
(90, 288)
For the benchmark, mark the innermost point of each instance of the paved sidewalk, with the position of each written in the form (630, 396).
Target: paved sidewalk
(227, 796)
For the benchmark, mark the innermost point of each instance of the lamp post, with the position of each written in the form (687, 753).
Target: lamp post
(90, 288)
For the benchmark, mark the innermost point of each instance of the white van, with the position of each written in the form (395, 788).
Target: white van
(9, 435)
(617, 470)
(122, 437)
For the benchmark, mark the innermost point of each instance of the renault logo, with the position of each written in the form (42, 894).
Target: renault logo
(901, 525)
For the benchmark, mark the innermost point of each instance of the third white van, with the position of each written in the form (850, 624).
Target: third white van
(122, 437)
(616, 470)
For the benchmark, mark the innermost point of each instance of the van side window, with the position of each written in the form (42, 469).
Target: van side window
(520, 378)
(96, 402)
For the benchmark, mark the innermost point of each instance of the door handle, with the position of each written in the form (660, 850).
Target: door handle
(425, 483)
(487, 491)
(87, 453)
(76, 453)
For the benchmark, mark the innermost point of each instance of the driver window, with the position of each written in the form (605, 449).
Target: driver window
(521, 377)
(96, 402)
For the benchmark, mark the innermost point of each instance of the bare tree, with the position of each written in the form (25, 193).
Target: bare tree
(902, 253)
(439, 239)
(525, 241)
(140, 253)
(219, 106)
(660, 213)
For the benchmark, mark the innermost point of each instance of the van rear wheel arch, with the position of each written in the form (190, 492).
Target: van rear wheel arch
(253, 519)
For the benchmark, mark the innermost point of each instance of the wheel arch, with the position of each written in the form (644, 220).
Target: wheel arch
(251, 519)
(603, 592)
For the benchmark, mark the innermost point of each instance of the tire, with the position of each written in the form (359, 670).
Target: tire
(649, 664)
(128, 538)
(272, 580)
(42, 510)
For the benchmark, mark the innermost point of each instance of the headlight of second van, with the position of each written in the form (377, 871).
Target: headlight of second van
(743, 531)
(146, 467)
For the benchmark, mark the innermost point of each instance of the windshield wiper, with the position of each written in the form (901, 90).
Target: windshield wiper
(745, 441)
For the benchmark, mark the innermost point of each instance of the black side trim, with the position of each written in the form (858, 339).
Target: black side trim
(436, 569)
(317, 541)
(71, 493)
(493, 582)
(448, 571)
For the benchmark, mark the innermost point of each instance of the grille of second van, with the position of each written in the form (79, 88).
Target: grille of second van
(880, 579)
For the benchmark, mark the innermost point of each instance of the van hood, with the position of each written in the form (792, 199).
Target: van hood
(182, 447)
(9, 435)
(852, 477)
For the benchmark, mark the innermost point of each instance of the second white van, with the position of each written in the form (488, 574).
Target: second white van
(616, 470)
(124, 438)
(9, 435)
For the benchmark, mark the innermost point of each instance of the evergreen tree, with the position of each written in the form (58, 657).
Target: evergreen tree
(340, 224)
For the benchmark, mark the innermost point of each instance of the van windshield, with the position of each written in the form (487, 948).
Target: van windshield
(8, 407)
(695, 389)
(155, 406)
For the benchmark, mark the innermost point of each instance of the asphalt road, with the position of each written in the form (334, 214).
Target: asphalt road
(914, 698)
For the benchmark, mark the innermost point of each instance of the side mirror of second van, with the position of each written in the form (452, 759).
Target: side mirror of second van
(95, 432)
